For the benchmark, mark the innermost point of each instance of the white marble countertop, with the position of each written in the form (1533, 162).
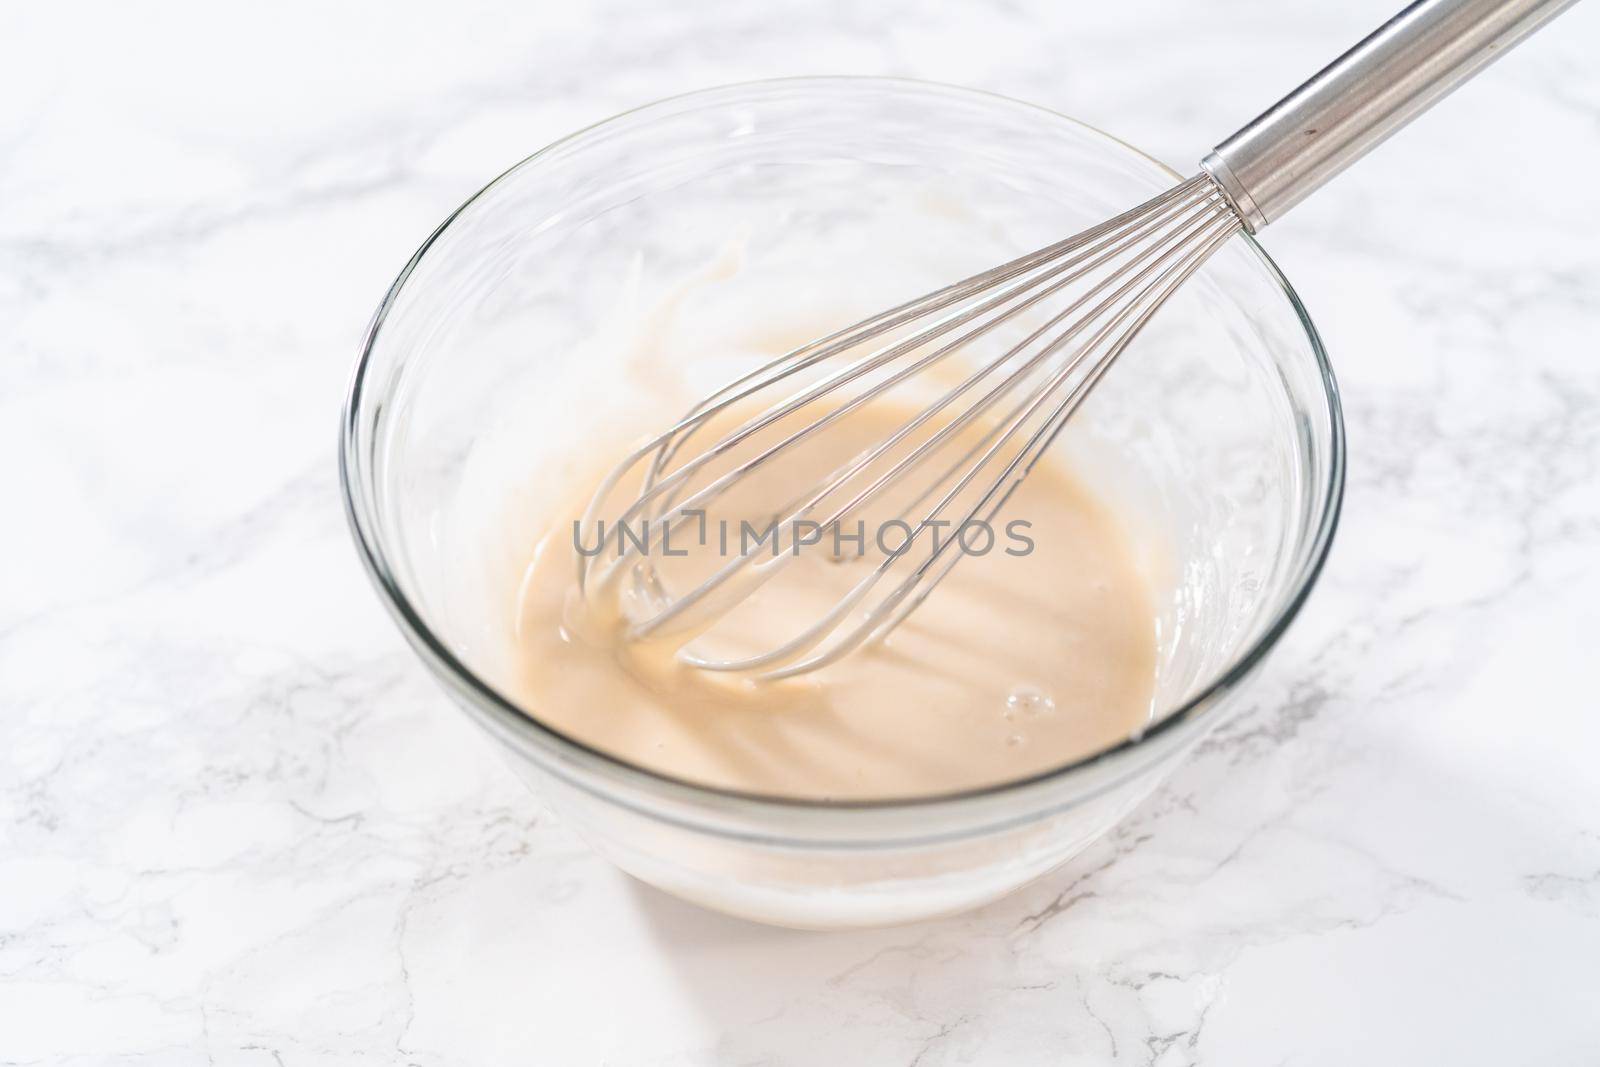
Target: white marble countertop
(238, 824)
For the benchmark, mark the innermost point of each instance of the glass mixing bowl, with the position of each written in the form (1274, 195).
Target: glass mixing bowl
(499, 354)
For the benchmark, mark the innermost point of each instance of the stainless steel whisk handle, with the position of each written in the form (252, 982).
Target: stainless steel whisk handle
(1346, 109)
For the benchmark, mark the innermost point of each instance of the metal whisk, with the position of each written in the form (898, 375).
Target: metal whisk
(1044, 329)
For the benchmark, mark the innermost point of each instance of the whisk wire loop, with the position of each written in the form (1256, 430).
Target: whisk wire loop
(1109, 280)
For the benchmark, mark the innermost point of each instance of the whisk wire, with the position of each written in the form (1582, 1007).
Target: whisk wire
(841, 476)
(885, 617)
(1125, 268)
(795, 512)
(1134, 224)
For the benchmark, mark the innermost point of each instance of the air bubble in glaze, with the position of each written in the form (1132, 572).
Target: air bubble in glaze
(1029, 702)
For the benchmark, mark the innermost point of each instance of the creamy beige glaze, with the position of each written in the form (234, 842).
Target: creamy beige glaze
(1017, 663)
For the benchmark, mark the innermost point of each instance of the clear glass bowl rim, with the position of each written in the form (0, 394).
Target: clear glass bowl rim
(505, 714)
